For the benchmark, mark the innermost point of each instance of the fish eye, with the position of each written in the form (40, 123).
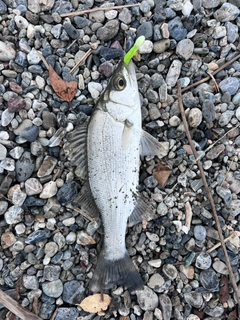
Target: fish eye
(119, 83)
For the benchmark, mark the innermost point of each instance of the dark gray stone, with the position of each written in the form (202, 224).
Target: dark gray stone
(25, 166)
(21, 59)
(209, 280)
(146, 30)
(73, 292)
(67, 314)
(71, 30)
(176, 29)
(67, 192)
(208, 111)
(3, 7)
(37, 236)
(30, 133)
(230, 85)
(81, 22)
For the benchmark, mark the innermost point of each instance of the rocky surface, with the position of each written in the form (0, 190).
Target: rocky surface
(43, 236)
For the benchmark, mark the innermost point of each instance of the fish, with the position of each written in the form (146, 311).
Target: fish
(106, 151)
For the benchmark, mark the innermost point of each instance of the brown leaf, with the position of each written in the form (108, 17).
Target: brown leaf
(232, 315)
(162, 174)
(95, 304)
(65, 90)
(224, 290)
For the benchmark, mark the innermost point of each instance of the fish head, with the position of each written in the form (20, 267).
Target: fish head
(121, 98)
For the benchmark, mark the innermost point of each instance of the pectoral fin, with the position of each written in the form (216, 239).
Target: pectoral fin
(151, 147)
(76, 149)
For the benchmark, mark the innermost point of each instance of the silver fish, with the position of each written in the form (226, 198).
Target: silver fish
(113, 142)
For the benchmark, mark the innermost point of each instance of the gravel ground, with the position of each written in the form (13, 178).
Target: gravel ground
(43, 237)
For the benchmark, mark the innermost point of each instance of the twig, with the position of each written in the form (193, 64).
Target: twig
(84, 57)
(80, 13)
(214, 212)
(16, 308)
(85, 215)
(219, 243)
(43, 59)
(214, 80)
(54, 314)
(213, 73)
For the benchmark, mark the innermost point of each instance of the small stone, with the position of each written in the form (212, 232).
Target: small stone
(108, 31)
(147, 299)
(16, 104)
(195, 299)
(49, 120)
(7, 164)
(147, 47)
(185, 48)
(225, 118)
(215, 152)
(73, 292)
(125, 16)
(34, 6)
(219, 32)
(209, 280)
(71, 30)
(33, 57)
(156, 281)
(210, 4)
(38, 236)
(111, 53)
(3, 207)
(67, 192)
(97, 16)
(220, 267)
(165, 306)
(21, 59)
(33, 186)
(235, 207)
(111, 14)
(225, 194)
(187, 271)
(187, 8)
(208, 111)
(7, 240)
(49, 190)
(3, 152)
(9, 73)
(25, 167)
(156, 263)
(203, 261)
(95, 89)
(47, 167)
(53, 289)
(170, 271)
(17, 195)
(30, 134)
(200, 233)
(15, 87)
(23, 125)
(30, 282)
(106, 68)
(7, 53)
(176, 29)
(161, 46)
(3, 7)
(81, 22)
(215, 312)
(21, 22)
(173, 73)
(67, 313)
(13, 215)
(227, 12)
(146, 30)
(50, 249)
(195, 117)
(6, 118)
(232, 32)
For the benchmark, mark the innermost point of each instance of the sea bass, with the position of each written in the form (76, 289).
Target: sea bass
(107, 151)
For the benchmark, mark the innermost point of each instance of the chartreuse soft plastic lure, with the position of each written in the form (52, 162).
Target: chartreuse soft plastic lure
(131, 53)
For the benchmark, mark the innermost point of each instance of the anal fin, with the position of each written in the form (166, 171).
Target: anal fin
(143, 211)
(150, 146)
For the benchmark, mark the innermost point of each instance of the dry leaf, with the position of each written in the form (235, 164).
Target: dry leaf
(162, 174)
(65, 90)
(224, 290)
(95, 304)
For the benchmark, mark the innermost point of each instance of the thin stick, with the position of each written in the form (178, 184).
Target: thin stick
(209, 195)
(16, 308)
(213, 73)
(84, 57)
(43, 59)
(85, 215)
(219, 243)
(215, 82)
(80, 13)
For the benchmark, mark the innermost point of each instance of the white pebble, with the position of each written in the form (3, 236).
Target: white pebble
(33, 57)
(21, 22)
(147, 47)
(95, 89)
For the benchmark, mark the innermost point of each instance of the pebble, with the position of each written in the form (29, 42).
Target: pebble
(195, 117)
(73, 292)
(170, 271)
(21, 22)
(176, 29)
(215, 152)
(13, 215)
(25, 166)
(67, 313)
(147, 299)
(147, 47)
(203, 261)
(53, 289)
(208, 111)
(108, 31)
(220, 267)
(185, 48)
(195, 299)
(47, 167)
(227, 12)
(146, 30)
(71, 30)
(155, 282)
(7, 52)
(49, 190)
(6, 118)
(125, 16)
(33, 57)
(210, 4)
(235, 207)
(81, 22)
(95, 89)
(30, 282)
(3, 152)
(225, 194)
(173, 73)
(67, 192)
(30, 134)
(33, 186)
(16, 104)
(209, 280)
(3, 7)
(7, 240)
(161, 45)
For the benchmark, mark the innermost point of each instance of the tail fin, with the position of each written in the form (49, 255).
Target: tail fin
(109, 273)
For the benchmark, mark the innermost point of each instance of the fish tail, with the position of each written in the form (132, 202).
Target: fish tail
(110, 273)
